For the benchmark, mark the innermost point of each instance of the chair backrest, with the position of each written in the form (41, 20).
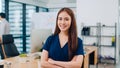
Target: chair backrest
(8, 48)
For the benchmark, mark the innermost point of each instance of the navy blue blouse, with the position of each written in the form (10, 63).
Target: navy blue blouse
(52, 45)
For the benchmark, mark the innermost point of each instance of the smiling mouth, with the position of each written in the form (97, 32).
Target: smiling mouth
(63, 26)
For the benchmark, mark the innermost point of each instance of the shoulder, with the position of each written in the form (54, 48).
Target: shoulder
(48, 42)
(51, 37)
(5, 21)
(79, 50)
(79, 39)
(80, 42)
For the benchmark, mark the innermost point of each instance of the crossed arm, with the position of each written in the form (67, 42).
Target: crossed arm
(46, 62)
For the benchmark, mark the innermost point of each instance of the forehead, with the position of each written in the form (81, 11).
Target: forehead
(63, 14)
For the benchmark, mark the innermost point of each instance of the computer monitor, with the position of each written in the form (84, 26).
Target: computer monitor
(38, 37)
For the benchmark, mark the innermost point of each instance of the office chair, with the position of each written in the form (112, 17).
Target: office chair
(8, 48)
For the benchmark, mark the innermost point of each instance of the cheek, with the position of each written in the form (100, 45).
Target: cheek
(69, 24)
(58, 23)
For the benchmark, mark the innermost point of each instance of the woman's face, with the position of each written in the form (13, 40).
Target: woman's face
(64, 21)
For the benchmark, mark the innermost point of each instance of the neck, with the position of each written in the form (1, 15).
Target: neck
(1, 18)
(64, 33)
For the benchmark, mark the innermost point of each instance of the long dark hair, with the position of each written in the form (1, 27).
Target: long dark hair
(72, 33)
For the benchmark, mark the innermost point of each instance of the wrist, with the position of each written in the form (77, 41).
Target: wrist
(53, 62)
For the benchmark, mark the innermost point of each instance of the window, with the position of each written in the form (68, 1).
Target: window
(29, 12)
(43, 9)
(15, 20)
(2, 4)
(20, 24)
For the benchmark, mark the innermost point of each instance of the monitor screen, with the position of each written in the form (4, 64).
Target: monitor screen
(38, 38)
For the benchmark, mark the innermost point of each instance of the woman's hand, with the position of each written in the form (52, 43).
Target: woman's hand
(51, 61)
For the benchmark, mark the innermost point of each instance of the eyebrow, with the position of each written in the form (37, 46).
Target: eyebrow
(64, 17)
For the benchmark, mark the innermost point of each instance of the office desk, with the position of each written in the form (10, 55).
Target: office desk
(16, 64)
(90, 56)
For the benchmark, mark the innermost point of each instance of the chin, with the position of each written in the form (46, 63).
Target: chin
(63, 30)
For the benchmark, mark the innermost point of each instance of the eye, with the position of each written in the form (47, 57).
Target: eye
(59, 18)
(66, 19)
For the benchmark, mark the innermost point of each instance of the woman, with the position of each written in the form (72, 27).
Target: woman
(63, 49)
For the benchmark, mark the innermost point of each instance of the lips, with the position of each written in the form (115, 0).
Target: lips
(63, 26)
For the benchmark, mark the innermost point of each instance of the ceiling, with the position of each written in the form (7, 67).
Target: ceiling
(50, 3)
(58, 1)
(61, 1)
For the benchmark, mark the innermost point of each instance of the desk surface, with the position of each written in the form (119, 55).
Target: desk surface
(16, 63)
(88, 51)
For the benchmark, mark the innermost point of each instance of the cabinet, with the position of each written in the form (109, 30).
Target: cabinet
(107, 46)
(90, 34)
(104, 37)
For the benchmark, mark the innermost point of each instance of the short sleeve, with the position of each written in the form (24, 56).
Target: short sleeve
(46, 46)
(80, 50)
(7, 28)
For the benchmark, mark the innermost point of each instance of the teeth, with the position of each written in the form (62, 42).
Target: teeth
(62, 26)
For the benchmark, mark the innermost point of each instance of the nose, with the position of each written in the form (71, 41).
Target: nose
(63, 21)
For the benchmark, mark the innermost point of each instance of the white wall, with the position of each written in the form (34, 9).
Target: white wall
(60, 5)
(57, 9)
(62, 1)
(57, 1)
(91, 12)
(44, 20)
